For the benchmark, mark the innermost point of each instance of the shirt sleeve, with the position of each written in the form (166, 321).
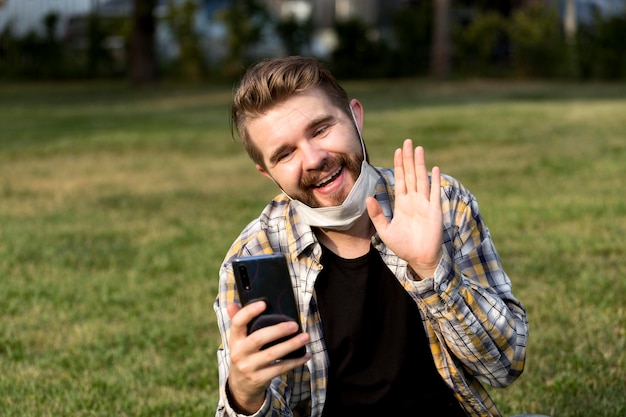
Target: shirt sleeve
(470, 297)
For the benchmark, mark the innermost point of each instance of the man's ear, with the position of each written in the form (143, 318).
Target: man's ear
(357, 111)
(264, 172)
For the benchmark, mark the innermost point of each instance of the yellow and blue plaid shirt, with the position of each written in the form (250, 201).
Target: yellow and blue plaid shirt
(476, 328)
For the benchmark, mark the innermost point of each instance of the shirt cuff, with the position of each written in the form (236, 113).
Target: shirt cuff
(263, 411)
(442, 289)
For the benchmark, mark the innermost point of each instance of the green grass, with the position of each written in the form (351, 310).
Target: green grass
(117, 206)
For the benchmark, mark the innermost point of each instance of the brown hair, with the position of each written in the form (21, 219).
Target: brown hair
(274, 80)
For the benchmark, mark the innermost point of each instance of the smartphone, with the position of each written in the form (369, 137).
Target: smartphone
(266, 277)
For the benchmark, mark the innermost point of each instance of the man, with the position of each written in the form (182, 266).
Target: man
(403, 300)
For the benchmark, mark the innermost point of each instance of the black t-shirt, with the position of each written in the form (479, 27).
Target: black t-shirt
(380, 362)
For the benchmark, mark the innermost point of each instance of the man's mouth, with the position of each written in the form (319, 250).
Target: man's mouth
(327, 180)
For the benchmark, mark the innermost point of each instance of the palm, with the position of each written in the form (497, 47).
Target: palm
(415, 232)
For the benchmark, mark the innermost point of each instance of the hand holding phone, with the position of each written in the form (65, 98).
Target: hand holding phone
(266, 278)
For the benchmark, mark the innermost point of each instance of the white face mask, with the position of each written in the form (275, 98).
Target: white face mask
(344, 216)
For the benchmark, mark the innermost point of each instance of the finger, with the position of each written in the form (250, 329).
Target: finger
(376, 214)
(272, 333)
(399, 172)
(240, 317)
(280, 350)
(272, 369)
(232, 309)
(408, 161)
(279, 367)
(288, 364)
(435, 188)
(249, 353)
(421, 172)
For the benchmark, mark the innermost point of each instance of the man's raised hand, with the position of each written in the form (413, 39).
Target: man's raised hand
(415, 232)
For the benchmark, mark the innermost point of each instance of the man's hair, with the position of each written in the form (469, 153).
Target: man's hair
(272, 81)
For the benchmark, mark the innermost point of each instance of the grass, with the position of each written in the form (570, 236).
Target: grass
(117, 206)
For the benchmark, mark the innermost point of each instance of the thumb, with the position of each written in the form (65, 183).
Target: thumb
(375, 211)
(232, 309)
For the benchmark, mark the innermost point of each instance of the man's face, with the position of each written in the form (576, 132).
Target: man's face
(310, 148)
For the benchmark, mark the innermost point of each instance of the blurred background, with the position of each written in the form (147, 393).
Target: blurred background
(199, 40)
(121, 188)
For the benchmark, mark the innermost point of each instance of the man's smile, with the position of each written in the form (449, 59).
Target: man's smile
(328, 179)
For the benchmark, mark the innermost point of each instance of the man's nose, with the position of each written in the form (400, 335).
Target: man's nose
(314, 156)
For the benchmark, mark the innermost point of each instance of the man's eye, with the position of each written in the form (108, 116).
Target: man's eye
(283, 156)
(320, 131)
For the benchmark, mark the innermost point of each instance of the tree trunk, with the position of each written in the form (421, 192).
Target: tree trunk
(142, 57)
(440, 58)
(570, 21)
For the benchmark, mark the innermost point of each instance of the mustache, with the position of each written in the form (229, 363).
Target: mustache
(313, 177)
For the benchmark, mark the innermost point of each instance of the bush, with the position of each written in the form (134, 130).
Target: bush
(537, 43)
(295, 35)
(36, 56)
(356, 55)
(412, 31)
(601, 50)
(189, 64)
(482, 46)
(32, 55)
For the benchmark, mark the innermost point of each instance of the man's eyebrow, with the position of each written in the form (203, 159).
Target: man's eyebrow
(313, 124)
(276, 154)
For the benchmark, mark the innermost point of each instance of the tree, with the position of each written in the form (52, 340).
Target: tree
(570, 21)
(295, 34)
(412, 30)
(99, 60)
(356, 55)
(440, 58)
(245, 20)
(180, 18)
(142, 59)
(537, 42)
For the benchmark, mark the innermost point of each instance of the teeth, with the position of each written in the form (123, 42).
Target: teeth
(328, 179)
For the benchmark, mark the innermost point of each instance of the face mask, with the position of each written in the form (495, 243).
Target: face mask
(344, 216)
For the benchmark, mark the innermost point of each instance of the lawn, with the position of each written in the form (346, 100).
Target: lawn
(118, 205)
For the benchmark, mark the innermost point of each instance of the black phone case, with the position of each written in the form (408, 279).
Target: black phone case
(266, 277)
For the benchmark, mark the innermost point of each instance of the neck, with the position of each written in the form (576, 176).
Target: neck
(351, 243)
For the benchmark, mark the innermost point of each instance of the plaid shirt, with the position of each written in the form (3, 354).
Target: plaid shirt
(476, 328)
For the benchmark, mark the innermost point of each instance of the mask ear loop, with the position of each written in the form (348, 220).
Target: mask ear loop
(280, 188)
(358, 131)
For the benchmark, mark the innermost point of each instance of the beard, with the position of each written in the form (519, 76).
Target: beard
(350, 163)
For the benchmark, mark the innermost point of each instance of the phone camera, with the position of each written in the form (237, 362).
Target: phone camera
(243, 275)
